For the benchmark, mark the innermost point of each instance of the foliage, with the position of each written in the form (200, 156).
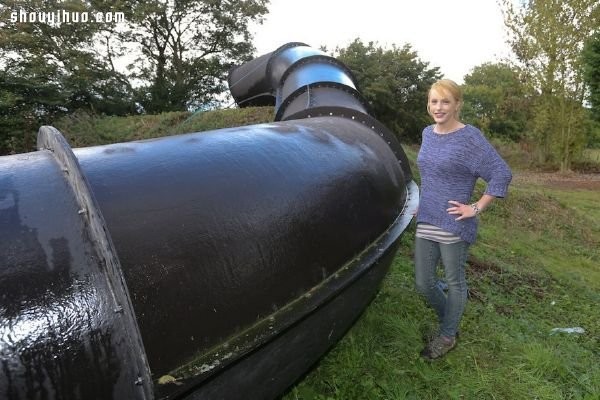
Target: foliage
(50, 69)
(68, 53)
(496, 100)
(187, 48)
(564, 122)
(547, 37)
(82, 129)
(591, 68)
(27, 100)
(592, 125)
(395, 83)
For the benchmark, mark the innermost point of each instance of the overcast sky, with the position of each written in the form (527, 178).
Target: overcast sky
(453, 35)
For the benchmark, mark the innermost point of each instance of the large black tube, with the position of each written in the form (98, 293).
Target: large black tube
(209, 265)
(304, 83)
(67, 329)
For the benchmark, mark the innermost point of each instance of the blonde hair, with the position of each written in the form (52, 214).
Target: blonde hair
(449, 88)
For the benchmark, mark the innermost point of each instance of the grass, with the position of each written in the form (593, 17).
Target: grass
(82, 130)
(535, 267)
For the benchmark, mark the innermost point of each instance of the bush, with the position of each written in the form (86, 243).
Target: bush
(82, 129)
(586, 167)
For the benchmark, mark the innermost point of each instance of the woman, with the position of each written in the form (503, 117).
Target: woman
(452, 157)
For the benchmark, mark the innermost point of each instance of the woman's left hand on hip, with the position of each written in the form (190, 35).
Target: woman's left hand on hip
(462, 210)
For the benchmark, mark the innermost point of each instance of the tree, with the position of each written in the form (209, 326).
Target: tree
(547, 37)
(395, 82)
(27, 100)
(187, 48)
(496, 100)
(183, 50)
(49, 69)
(591, 72)
(591, 68)
(79, 62)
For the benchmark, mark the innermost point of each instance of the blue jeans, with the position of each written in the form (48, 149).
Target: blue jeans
(449, 307)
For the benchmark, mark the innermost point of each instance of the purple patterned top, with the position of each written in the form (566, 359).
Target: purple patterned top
(450, 165)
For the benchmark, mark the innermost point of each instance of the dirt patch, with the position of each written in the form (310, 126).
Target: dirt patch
(568, 181)
(520, 285)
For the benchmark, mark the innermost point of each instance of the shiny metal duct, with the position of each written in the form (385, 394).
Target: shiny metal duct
(213, 265)
(67, 327)
(302, 82)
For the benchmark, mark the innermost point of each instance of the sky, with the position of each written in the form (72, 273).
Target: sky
(453, 35)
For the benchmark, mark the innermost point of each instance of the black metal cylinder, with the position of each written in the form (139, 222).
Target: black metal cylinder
(201, 265)
(229, 226)
(67, 330)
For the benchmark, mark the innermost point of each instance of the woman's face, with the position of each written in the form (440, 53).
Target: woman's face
(442, 107)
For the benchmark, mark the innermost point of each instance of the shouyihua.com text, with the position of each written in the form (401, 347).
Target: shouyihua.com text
(65, 17)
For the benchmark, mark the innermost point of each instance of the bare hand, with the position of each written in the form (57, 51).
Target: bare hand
(463, 210)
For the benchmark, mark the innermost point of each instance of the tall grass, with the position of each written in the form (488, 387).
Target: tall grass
(83, 130)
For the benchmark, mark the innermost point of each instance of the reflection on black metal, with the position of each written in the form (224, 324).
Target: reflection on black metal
(210, 265)
(67, 327)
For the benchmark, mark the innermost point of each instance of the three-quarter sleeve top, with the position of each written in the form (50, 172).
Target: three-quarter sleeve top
(450, 164)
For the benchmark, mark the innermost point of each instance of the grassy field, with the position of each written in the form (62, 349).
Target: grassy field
(535, 267)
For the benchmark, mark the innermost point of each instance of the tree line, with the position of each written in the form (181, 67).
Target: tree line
(178, 54)
(547, 96)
